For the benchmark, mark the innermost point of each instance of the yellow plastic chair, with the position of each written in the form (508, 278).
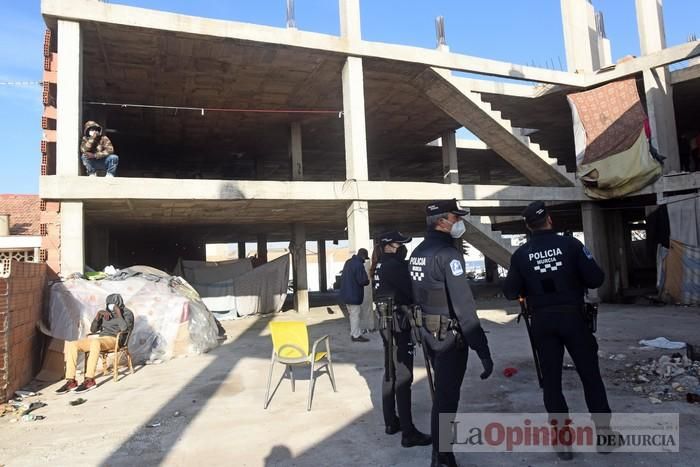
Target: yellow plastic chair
(290, 346)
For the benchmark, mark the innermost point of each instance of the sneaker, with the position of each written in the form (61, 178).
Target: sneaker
(416, 438)
(94, 174)
(88, 384)
(109, 175)
(359, 339)
(69, 386)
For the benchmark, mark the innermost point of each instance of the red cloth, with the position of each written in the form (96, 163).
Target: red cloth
(508, 372)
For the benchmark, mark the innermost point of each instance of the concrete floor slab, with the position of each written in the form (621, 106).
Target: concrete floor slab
(218, 399)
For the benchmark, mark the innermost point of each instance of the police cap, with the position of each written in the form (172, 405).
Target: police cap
(393, 237)
(443, 206)
(535, 212)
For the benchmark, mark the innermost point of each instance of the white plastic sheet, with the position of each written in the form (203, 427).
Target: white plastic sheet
(162, 314)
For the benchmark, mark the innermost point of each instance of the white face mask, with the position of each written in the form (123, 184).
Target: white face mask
(110, 307)
(458, 229)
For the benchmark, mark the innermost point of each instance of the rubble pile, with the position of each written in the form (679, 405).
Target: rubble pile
(667, 378)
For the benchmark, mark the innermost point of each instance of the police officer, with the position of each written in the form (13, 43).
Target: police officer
(553, 272)
(450, 322)
(392, 285)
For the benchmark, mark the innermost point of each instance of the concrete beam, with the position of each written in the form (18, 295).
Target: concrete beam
(657, 84)
(89, 188)
(685, 74)
(494, 87)
(663, 57)
(301, 281)
(490, 128)
(72, 238)
(151, 19)
(450, 169)
(69, 98)
(354, 120)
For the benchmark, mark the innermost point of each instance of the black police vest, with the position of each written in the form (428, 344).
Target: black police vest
(428, 280)
(548, 265)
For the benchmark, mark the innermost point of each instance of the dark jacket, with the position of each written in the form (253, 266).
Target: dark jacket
(391, 279)
(553, 272)
(440, 287)
(110, 327)
(353, 281)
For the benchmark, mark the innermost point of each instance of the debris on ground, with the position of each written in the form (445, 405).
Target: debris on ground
(154, 425)
(662, 343)
(78, 401)
(25, 394)
(31, 417)
(666, 378)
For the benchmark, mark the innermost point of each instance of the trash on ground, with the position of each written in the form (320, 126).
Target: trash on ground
(569, 366)
(692, 398)
(176, 414)
(23, 394)
(508, 372)
(33, 406)
(663, 343)
(667, 378)
(31, 417)
(154, 425)
(78, 401)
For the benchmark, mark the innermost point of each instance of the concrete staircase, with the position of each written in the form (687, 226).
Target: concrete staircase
(487, 241)
(480, 118)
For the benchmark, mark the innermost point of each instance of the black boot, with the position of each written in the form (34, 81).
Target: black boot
(564, 453)
(443, 459)
(415, 438)
(392, 428)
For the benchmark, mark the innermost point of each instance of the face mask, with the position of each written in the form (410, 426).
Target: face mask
(110, 307)
(458, 229)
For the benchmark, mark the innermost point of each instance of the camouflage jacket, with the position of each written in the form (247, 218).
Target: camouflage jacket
(100, 145)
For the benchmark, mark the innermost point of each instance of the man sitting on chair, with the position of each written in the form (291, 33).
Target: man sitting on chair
(103, 332)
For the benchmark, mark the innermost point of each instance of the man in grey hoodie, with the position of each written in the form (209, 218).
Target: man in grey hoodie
(103, 333)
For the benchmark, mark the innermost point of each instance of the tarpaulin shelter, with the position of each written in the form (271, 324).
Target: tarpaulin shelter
(613, 154)
(169, 317)
(233, 289)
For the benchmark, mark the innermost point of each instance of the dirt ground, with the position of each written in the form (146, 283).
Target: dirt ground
(208, 410)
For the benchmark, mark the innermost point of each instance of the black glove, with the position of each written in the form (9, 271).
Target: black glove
(488, 367)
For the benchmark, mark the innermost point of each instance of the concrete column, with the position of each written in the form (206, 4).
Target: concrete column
(577, 35)
(241, 250)
(657, 84)
(491, 269)
(322, 267)
(358, 226)
(295, 151)
(262, 248)
(350, 20)
(595, 238)
(69, 98)
(450, 169)
(301, 284)
(72, 238)
(354, 120)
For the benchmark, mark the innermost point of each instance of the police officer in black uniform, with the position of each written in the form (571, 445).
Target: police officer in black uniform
(552, 273)
(449, 320)
(392, 285)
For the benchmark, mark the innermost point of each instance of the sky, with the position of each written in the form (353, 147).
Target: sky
(493, 29)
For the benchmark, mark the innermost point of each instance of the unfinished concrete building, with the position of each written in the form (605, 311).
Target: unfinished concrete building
(232, 132)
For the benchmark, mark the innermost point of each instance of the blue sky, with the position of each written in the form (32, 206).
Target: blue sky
(491, 29)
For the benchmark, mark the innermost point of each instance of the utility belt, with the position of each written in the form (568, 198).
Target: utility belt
(392, 317)
(440, 326)
(588, 310)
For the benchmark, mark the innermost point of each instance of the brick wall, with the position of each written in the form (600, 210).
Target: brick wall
(21, 305)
